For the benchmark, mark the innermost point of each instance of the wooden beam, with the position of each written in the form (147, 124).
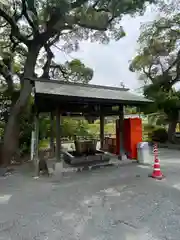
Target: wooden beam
(80, 107)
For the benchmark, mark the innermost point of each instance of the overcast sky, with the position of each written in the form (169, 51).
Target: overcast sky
(111, 62)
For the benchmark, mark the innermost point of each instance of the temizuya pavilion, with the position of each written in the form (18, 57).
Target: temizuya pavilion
(63, 98)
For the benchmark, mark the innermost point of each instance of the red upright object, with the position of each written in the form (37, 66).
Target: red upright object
(132, 135)
(157, 174)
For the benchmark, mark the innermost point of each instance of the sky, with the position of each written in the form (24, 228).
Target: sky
(111, 62)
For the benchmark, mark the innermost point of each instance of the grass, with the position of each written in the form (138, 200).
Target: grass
(43, 144)
(94, 129)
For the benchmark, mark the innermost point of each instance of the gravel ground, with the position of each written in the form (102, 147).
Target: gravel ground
(118, 203)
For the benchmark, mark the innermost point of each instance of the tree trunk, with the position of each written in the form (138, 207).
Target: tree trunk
(10, 143)
(171, 130)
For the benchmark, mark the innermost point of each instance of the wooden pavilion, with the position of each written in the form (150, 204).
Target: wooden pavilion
(63, 98)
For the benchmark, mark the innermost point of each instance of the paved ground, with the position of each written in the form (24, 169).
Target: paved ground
(103, 204)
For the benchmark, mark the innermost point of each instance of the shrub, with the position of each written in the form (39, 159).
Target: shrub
(149, 127)
(147, 132)
(154, 133)
(159, 135)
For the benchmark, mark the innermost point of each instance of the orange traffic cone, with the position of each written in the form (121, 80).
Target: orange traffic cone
(157, 174)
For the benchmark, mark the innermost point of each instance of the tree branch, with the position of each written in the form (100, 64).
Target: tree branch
(14, 27)
(162, 69)
(78, 3)
(177, 78)
(46, 67)
(167, 80)
(69, 21)
(24, 12)
(60, 68)
(5, 72)
(174, 63)
(148, 74)
(95, 4)
(54, 40)
(58, 22)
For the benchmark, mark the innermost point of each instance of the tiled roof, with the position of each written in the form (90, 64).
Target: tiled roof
(55, 87)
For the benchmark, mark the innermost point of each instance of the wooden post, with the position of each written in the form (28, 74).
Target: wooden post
(51, 142)
(36, 150)
(101, 131)
(58, 136)
(121, 120)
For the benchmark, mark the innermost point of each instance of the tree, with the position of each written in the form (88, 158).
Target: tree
(74, 71)
(30, 27)
(158, 59)
(158, 62)
(131, 110)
